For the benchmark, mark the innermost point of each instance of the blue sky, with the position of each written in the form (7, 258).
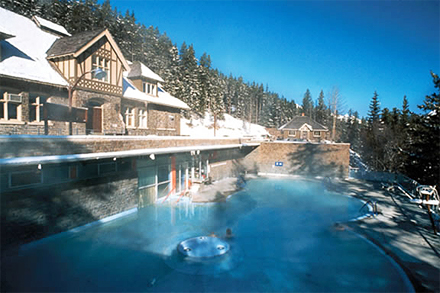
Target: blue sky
(358, 46)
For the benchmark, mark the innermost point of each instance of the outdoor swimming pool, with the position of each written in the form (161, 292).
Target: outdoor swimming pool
(283, 240)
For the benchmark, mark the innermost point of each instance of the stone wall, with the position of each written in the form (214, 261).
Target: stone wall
(163, 120)
(24, 125)
(112, 122)
(159, 120)
(304, 159)
(31, 214)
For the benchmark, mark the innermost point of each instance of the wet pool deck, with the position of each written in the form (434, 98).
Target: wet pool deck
(216, 191)
(401, 229)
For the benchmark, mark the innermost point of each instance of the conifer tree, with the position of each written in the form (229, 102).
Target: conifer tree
(373, 136)
(374, 111)
(321, 113)
(307, 104)
(424, 162)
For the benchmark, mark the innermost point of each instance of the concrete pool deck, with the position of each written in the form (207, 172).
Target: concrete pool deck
(216, 191)
(401, 229)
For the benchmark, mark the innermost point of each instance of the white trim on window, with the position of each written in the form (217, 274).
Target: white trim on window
(129, 117)
(11, 107)
(149, 88)
(143, 118)
(104, 65)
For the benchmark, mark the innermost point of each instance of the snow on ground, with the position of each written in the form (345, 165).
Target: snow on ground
(229, 127)
(356, 161)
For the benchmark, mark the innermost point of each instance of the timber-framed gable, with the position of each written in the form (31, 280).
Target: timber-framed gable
(98, 50)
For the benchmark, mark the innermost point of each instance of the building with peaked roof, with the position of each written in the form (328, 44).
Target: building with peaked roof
(303, 128)
(49, 84)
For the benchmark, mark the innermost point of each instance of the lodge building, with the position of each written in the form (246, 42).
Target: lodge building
(57, 84)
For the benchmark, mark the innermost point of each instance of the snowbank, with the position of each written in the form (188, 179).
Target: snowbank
(229, 127)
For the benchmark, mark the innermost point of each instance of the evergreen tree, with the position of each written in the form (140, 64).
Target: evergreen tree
(307, 104)
(321, 111)
(373, 137)
(374, 112)
(190, 77)
(424, 161)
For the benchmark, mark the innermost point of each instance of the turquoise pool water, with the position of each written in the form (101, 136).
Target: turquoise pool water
(284, 240)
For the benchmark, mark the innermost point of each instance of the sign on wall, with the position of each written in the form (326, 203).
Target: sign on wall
(278, 164)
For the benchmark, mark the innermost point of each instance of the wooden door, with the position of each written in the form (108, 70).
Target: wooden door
(94, 120)
(97, 120)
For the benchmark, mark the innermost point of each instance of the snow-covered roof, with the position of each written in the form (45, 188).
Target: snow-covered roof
(164, 98)
(69, 46)
(24, 55)
(137, 69)
(48, 25)
(299, 121)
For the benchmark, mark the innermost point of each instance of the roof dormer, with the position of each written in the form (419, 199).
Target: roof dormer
(144, 79)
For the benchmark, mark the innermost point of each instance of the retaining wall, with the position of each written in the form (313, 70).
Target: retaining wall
(31, 214)
(305, 159)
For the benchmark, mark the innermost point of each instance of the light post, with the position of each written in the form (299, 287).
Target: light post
(98, 73)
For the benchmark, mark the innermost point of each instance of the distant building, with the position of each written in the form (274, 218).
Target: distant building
(303, 128)
(40, 64)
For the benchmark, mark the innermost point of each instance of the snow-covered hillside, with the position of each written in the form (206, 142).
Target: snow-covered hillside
(229, 127)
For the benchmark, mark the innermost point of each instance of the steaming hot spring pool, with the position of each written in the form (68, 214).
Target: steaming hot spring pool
(283, 240)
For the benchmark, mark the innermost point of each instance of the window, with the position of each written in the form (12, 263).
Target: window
(163, 180)
(55, 174)
(292, 132)
(147, 176)
(149, 88)
(104, 65)
(10, 106)
(35, 108)
(106, 168)
(25, 178)
(129, 117)
(316, 133)
(142, 118)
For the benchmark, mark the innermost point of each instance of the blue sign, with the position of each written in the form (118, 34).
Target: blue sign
(278, 164)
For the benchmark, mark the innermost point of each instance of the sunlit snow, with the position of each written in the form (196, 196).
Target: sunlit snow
(229, 127)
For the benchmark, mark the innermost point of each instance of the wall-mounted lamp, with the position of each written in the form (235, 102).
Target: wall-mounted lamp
(152, 157)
